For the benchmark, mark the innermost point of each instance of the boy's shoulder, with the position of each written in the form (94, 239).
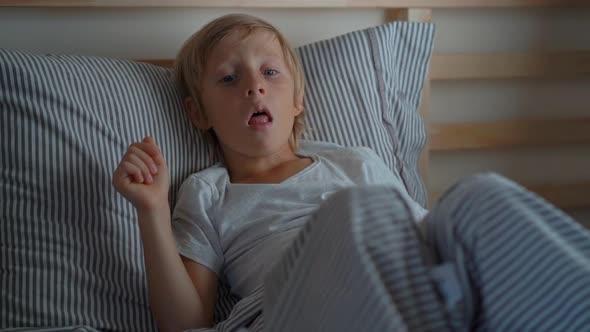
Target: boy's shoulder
(213, 176)
(347, 153)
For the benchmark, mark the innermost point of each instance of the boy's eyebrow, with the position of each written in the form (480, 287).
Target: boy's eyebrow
(274, 55)
(220, 65)
(269, 52)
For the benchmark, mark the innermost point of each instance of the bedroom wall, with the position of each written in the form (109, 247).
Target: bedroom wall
(158, 33)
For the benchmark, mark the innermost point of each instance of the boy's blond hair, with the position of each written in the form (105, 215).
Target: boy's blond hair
(194, 54)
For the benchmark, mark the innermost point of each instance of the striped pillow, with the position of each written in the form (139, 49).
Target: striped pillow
(364, 89)
(70, 250)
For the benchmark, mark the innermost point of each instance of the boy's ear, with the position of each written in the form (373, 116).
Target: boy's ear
(197, 117)
(298, 105)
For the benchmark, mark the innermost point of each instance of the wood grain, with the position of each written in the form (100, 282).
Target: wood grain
(300, 3)
(514, 133)
(564, 196)
(565, 64)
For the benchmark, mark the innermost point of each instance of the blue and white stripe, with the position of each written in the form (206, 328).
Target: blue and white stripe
(523, 264)
(71, 252)
(490, 256)
(364, 89)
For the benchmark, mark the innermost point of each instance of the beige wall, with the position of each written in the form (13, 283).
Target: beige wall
(158, 33)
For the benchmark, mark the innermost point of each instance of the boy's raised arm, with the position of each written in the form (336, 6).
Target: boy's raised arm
(182, 295)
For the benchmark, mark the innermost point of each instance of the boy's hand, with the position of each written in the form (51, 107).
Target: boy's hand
(142, 176)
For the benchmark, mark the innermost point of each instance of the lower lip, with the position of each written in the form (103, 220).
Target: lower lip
(260, 126)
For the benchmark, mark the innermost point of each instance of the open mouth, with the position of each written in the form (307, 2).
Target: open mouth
(260, 118)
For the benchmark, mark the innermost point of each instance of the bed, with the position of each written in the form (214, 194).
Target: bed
(56, 267)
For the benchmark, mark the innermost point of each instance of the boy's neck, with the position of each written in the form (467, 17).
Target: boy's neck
(266, 169)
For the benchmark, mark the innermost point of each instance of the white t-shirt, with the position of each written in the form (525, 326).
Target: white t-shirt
(242, 230)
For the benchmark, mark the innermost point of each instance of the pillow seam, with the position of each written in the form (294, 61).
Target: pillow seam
(398, 163)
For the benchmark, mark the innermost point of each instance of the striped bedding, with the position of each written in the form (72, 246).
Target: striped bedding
(70, 252)
(491, 256)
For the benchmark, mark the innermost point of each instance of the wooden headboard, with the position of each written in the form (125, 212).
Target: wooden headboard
(448, 137)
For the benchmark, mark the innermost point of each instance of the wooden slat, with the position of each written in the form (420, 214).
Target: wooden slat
(509, 134)
(564, 196)
(158, 62)
(505, 66)
(411, 14)
(300, 3)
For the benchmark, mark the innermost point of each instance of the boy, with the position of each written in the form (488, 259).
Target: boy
(244, 87)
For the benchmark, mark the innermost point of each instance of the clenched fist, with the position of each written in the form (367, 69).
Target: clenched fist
(142, 176)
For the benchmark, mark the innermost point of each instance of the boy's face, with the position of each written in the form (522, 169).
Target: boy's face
(248, 94)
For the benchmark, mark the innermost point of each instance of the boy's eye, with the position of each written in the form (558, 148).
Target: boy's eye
(270, 72)
(228, 78)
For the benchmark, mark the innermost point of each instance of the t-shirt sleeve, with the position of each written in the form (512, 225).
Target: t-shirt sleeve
(196, 237)
(377, 173)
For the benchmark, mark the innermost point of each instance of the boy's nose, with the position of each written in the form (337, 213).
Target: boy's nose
(254, 91)
(254, 86)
